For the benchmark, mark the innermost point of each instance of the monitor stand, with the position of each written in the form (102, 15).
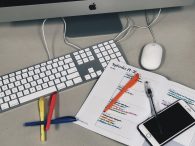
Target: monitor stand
(91, 25)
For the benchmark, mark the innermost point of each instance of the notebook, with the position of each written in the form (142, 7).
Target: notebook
(120, 122)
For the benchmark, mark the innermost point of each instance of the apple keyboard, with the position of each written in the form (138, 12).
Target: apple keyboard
(28, 84)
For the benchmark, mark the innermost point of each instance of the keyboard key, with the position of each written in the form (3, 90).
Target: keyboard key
(115, 50)
(33, 83)
(113, 45)
(104, 53)
(102, 49)
(87, 77)
(89, 53)
(36, 95)
(7, 92)
(69, 83)
(32, 90)
(27, 86)
(61, 86)
(11, 85)
(111, 41)
(26, 92)
(73, 75)
(83, 55)
(97, 51)
(50, 83)
(25, 75)
(71, 70)
(100, 45)
(85, 60)
(107, 47)
(91, 58)
(77, 80)
(36, 77)
(11, 75)
(66, 66)
(77, 57)
(29, 79)
(72, 65)
(80, 62)
(18, 77)
(39, 81)
(5, 77)
(45, 79)
(6, 99)
(57, 81)
(14, 90)
(42, 75)
(99, 55)
(13, 96)
(61, 58)
(4, 106)
(45, 85)
(60, 68)
(38, 87)
(63, 79)
(20, 94)
(13, 103)
(90, 70)
(4, 87)
(99, 72)
(58, 75)
(93, 75)
(6, 81)
(51, 77)
(23, 81)
(48, 73)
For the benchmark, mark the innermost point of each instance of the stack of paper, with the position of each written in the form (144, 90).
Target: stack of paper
(120, 122)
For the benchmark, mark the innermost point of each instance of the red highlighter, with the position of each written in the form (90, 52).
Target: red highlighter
(51, 109)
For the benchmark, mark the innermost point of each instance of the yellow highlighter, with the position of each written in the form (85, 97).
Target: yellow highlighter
(42, 116)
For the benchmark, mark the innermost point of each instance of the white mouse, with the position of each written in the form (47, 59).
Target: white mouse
(151, 56)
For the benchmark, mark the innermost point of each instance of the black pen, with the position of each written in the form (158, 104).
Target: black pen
(149, 94)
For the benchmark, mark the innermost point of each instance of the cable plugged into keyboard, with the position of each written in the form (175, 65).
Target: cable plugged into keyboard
(28, 84)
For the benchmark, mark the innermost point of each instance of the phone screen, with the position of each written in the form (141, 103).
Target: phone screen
(169, 123)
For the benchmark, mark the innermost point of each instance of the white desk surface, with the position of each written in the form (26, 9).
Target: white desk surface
(21, 46)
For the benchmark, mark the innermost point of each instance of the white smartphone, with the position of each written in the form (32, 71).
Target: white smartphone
(169, 123)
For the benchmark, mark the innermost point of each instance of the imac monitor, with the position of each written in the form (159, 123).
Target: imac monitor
(16, 10)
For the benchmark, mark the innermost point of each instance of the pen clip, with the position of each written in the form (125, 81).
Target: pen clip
(148, 90)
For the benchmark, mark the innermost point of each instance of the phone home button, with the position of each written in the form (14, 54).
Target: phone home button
(148, 135)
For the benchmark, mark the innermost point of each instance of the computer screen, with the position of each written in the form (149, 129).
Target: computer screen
(16, 10)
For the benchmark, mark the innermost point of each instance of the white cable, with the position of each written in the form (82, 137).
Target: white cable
(154, 21)
(44, 39)
(65, 40)
(124, 31)
(150, 28)
(129, 28)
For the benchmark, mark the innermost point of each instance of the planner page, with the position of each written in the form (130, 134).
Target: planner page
(133, 107)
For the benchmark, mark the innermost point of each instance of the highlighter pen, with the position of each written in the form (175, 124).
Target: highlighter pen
(51, 109)
(60, 120)
(42, 117)
(129, 84)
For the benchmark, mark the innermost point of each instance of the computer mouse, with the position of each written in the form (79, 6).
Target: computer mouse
(151, 56)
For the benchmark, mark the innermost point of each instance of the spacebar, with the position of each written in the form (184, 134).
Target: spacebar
(37, 94)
